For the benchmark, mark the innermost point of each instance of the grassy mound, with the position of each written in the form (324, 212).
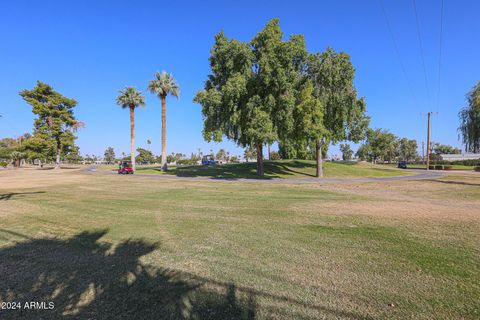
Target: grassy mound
(279, 169)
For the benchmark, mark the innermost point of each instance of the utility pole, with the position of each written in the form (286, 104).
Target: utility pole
(428, 141)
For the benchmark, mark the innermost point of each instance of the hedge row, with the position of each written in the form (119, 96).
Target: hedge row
(473, 162)
(446, 167)
(440, 167)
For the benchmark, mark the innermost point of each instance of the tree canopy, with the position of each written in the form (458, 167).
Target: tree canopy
(250, 94)
(55, 123)
(145, 156)
(439, 148)
(469, 128)
(347, 152)
(109, 155)
(407, 149)
(163, 84)
(332, 74)
(271, 89)
(382, 145)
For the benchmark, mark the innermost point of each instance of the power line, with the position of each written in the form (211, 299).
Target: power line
(421, 50)
(440, 55)
(399, 57)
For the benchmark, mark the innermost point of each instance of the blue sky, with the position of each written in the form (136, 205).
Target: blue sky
(88, 50)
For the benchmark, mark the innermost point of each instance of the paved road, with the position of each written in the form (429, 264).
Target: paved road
(420, 175)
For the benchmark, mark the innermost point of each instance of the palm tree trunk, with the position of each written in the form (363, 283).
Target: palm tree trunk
(260, 170)
(132, 136)
(319, 160)
(58, 151)
(164, 133)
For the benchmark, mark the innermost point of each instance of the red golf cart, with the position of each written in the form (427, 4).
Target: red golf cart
(125, 167)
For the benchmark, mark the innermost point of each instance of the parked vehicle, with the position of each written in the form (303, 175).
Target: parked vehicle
(208, 160)
(402, 164)
(125, 167)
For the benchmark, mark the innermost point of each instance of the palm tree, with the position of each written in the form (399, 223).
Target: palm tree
(131, 98)
(16, 157)
(163, 85)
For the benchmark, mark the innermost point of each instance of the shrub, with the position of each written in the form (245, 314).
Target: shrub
(471, 162)
(3, 164)
(447, 167)
(274, 155)
(439, 167)
(477, 169)
(431, 167)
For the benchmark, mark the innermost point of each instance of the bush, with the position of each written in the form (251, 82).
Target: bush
(274, 155)
(3, 164)
(447, 167)
(430, 167)
(477, 169)
(471, 162)
(438, 167)
(186, 162)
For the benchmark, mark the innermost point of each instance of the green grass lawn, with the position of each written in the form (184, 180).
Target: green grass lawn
(279, 169)
(117, 247)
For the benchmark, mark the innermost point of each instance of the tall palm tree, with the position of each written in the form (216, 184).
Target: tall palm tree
(131, 98)
(163, 85)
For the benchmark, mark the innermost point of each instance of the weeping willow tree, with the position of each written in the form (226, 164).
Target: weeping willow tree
(470, 121)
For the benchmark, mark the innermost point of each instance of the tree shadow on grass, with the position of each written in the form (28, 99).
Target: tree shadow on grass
(10, 195)
(88, 279)
(85, 278)
(247, 170)
(464, 183)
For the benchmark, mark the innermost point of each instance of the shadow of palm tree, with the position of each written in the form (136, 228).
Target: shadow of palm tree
(88, 279)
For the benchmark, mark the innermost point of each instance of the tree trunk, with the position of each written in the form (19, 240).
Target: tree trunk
(269, 154)
(260, 171)
(59, 150)
(164, 133)
(132, 136)
(319, 173)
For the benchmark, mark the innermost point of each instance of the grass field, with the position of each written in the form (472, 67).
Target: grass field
(279, 169)
(127, 247)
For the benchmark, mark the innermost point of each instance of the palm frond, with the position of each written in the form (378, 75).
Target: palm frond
(130, 97)
(164, 84)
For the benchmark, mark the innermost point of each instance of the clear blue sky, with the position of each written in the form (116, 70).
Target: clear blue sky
(88, 50)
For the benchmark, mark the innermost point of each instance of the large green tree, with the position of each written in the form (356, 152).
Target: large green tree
(163, 85)
(145, 156)
(380, 144)
(249, 96)
(131, 98)
(109, 155)
(7, 146)
(308, 126)
(347, 152)
(470, 121)
(344, 115)
(408, 149)
(439, 148)
(55, 120)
